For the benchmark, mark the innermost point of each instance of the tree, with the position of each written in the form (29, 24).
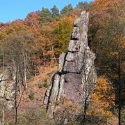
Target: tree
(32, 20)
(102, 99)
(66, 10)
(82, 5)
(45, 16)
(12, 28)
(18, 50)
(62, 33)
(108, 17)
(55, 10)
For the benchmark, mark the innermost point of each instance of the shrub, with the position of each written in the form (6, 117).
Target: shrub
(123, 117)
(50, 74)
(39, 85)
(45, 83)
(31, 95)
(32, 116)
(67, 113)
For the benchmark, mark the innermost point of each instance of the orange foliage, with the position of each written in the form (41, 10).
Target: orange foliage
(103, 4)
(102, 99)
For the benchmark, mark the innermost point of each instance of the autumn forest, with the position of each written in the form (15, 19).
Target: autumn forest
(31, 48)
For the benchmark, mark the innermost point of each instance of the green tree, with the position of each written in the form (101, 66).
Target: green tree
(82, 5)
(66, 10)
(45, 16)
(55, 10)
(55, 13)
(62, 34)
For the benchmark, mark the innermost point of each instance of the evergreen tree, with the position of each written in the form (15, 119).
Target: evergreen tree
(45, 16)
(66, 10)
(82, 5)
(55, 10)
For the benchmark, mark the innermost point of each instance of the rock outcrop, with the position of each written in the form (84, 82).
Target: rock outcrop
(7, 91)
(76, 76)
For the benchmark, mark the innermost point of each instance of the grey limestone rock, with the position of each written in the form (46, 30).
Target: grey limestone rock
(6, 90)
(76, 76)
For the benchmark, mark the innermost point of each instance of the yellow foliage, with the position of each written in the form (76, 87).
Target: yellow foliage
(102, 98)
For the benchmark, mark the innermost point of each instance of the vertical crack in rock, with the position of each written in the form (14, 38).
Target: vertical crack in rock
(76, 75)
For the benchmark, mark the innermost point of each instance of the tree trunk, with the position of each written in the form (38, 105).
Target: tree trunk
(3, 116)
(16, 108)
(119, 88)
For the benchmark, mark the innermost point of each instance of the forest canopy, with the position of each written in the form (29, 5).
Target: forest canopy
(42, 36)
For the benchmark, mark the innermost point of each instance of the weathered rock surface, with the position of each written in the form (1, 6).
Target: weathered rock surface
(6, 91)
(76, 76)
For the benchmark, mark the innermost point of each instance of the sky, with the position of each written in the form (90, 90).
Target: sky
(18, 9)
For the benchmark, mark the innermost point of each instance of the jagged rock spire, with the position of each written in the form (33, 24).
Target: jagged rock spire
(76, 76)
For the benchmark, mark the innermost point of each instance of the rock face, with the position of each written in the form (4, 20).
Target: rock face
(6, 91)
(76, 76)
